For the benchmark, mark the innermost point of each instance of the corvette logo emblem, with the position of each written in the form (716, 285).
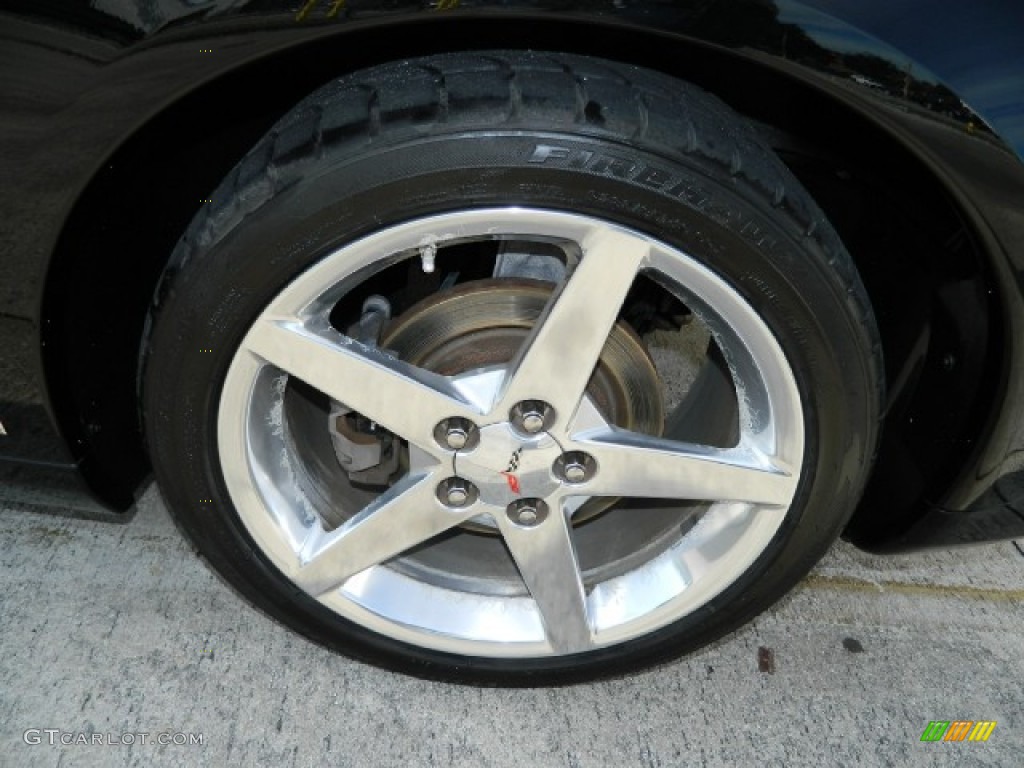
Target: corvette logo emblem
(513, 465)
(513, 482)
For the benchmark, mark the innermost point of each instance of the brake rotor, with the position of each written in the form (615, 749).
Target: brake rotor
(484, 323)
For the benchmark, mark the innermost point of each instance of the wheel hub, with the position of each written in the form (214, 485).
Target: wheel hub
(482, 324)
(507, 467)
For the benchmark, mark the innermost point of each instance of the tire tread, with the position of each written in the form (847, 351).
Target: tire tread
(389, 103)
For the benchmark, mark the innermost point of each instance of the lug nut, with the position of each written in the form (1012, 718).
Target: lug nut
(532, 416)
(527, 512)
(456, 438)
(533, 422)
(457, 434)
(527, 516)
(575, 473)
(456, 492)
(575, 467)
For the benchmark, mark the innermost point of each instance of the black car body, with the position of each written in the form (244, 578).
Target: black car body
(904, 121)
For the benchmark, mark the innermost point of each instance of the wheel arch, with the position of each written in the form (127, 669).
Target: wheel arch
(92, 326)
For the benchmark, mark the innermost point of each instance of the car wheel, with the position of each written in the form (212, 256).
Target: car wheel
(511, 367)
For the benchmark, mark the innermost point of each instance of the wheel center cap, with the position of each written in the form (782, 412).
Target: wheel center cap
(507, 466)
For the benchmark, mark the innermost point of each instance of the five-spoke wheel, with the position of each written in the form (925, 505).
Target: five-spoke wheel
(540, 450)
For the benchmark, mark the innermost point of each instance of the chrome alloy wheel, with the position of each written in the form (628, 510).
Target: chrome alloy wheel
(402, 564)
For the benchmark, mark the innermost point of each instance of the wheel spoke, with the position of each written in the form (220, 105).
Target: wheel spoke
(405, 400)
(642, 466)
(559, 357)
(547, 562)
(406, 515)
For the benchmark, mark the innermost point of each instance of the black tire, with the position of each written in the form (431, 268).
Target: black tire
(558, 132)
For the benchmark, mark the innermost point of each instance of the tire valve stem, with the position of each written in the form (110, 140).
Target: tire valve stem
(427, 254)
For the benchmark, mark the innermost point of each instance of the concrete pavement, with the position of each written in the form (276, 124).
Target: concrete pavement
(120, 630)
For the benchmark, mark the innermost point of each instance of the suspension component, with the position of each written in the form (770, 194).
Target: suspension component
(376, 313)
